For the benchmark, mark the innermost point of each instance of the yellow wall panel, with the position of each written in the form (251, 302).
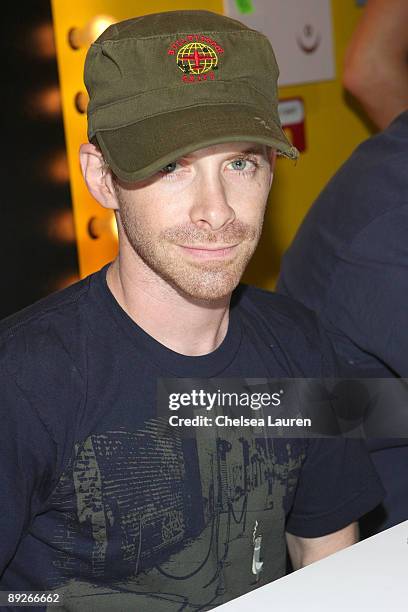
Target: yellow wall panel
(333, 130)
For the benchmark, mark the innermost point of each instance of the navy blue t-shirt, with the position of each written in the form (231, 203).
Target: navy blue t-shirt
(349, 263)
(103, 504)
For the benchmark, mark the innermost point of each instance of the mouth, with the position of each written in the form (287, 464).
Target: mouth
(204, 252)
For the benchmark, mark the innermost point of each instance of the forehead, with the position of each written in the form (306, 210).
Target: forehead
(228, 148)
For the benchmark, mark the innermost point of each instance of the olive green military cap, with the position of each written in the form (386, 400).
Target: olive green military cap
(166, 84)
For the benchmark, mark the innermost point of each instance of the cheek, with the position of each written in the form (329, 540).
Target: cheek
(250, 205)
(163, 206)
(140, 217)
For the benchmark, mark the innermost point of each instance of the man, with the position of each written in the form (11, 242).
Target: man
(117, 511)
(348, 262)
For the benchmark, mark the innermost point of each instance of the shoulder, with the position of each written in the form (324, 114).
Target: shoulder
(277, 307)
(372, 182)
(296, 329)
(373, 179)
(39, 335)
(46, 308)
(362, 208)
(386, 150)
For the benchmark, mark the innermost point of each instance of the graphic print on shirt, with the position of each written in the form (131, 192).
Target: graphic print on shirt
(256, 560)
(168, 522)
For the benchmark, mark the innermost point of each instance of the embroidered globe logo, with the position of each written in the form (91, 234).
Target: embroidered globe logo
(197, 58)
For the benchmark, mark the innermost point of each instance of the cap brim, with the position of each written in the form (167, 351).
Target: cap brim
(141, 149)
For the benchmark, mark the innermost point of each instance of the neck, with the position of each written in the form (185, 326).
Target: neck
(183, 324)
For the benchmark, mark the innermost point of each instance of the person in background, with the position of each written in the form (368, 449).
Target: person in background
(349, 263)
(375, 66)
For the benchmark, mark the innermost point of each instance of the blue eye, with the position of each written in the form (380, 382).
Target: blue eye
(240, 161)
(243, 165)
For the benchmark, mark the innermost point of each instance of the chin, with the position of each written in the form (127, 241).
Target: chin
(208, 286)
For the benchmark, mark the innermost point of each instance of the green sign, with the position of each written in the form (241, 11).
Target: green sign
(245, 6)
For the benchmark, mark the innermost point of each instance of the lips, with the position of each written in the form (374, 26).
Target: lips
(206, 248)
(209, 252)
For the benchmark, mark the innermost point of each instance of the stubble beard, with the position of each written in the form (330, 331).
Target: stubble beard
(201, 280)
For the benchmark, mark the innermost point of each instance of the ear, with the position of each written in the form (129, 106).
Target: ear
(98, 181)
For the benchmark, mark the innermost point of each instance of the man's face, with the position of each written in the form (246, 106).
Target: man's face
(196, 223)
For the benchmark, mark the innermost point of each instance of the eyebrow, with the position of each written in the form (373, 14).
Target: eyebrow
(255, 150)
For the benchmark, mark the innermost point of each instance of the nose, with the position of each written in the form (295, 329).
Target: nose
(211, 209)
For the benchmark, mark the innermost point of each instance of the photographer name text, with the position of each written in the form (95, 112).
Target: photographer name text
(226, 421)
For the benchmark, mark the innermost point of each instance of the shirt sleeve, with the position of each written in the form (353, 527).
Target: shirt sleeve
(27, 462)
(338, 484)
